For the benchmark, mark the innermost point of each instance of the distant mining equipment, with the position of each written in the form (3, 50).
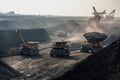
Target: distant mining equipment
(94, 42)
(110, 16)
(98, 16)
(27, 48)
(60, 49)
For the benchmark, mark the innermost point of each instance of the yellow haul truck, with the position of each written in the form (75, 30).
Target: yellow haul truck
(94, 42)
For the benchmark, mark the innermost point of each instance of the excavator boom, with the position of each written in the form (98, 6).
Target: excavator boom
(21, 37)
(98, 13)
(112, 13)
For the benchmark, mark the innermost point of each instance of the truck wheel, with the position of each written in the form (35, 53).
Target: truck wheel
(67, 53)
(94, 50)
(34, 52)
(21, 53)
(24, 51)
(37, 52)
(52, 53)
(83, 50)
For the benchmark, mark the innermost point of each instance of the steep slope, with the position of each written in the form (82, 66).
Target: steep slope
(6, 72)
(104, 65)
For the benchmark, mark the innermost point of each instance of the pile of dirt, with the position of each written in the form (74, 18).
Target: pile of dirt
(6, 72)
(104, 65)
(9, 38)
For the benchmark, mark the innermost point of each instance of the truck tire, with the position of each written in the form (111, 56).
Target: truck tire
(25, 51)
(52, 53)
(67, 52)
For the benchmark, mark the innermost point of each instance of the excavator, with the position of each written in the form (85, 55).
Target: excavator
(27, 48)
(98, 15)
(110, 16)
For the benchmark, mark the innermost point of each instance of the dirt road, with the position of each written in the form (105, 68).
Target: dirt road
(44, 67)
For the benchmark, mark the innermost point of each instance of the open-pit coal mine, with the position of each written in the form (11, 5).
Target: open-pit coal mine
(102, 65)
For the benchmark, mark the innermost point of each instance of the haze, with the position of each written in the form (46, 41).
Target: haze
(59, 7)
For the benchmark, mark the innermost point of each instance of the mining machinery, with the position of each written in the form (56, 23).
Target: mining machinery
(60, 49)
(110, 16)
(94, 42)
(28, 47)
(97, 15)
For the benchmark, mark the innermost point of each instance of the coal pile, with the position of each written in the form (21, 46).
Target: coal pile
(95, 36)
(6, 72)
(112, 38)
(9, 38)
(104, 65)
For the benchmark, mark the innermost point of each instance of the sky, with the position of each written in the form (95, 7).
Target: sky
(59, 7)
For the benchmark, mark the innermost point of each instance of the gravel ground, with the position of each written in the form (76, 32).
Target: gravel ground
(43, 67)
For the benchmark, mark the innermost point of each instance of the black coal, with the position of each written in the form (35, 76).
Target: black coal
(6, 72)
(104, 65)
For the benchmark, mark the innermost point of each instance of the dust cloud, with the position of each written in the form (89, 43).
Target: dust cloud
(76, 37)
(93, 26)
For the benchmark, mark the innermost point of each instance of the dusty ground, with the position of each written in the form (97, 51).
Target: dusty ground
(44, 67)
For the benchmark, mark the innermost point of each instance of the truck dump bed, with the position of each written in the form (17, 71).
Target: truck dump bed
(95, 36)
